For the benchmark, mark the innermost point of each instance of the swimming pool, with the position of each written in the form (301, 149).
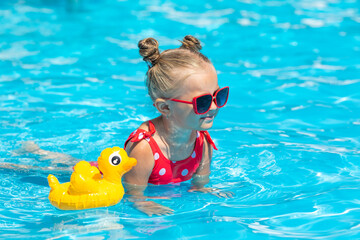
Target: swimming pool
(71, 79)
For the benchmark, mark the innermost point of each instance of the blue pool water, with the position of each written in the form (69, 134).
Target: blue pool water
(71, 79)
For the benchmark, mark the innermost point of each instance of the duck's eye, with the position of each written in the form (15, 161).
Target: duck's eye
(115, 159)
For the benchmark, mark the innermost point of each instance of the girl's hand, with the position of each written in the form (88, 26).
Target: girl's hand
(213, 191)
(152, 208)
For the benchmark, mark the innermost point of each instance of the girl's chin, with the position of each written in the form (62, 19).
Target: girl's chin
(205, 124)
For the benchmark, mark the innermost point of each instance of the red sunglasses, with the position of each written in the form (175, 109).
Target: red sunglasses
(202, 103)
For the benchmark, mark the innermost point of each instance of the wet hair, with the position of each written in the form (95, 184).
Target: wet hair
(168, 69)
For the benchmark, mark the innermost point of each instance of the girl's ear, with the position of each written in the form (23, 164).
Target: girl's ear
(162, 106)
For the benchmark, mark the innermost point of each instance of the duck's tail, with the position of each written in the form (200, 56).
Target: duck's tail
(53, 181)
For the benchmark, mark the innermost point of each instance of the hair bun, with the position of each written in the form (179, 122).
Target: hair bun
(191, 43)
(149, 50)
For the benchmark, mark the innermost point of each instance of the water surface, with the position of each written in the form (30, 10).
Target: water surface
(71, 79)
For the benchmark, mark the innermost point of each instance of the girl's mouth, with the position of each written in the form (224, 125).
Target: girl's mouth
(208, 118)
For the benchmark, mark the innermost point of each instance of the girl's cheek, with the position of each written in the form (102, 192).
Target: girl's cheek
(183, 112)
(193, 119)
(179, 114)
(186, 117)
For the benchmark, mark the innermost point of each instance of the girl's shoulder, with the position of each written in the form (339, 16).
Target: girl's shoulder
(144, 126)
(137, 147)
(143, 132)
(149, 126)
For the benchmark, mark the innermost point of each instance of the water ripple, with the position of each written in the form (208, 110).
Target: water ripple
(72, 81)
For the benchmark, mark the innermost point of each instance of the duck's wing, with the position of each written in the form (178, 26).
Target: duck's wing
(84, 179)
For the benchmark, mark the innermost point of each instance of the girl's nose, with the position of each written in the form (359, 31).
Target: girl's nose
(213, 106)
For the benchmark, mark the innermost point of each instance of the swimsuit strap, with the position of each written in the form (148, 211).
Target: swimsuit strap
(208, 138)
(140, 134)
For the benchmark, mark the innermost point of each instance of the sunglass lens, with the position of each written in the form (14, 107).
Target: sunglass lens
(222, 96)
(203, 103)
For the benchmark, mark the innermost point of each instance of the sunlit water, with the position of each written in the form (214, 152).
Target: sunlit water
(72, 81)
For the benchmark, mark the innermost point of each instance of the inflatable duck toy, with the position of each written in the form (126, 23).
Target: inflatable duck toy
(87, 187)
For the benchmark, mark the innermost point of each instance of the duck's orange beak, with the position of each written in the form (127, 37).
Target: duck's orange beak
(129, 164)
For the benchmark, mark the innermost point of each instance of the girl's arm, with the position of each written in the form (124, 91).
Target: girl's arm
(202, 175)
(136, 180)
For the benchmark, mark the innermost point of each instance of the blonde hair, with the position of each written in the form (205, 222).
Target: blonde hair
(168, 69)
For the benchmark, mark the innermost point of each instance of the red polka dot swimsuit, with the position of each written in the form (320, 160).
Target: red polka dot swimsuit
(166, 171)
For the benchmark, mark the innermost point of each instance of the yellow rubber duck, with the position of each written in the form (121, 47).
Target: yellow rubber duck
(87, 187)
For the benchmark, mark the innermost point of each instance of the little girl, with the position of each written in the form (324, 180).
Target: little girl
(175, 146)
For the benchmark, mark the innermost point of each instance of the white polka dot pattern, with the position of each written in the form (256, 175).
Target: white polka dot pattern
(156, 156)
(162, 171)
(197, 134)
(184, 172)
(141, 135)
(193, 155)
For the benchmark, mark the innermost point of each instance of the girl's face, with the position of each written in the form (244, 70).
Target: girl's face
(201, 82)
